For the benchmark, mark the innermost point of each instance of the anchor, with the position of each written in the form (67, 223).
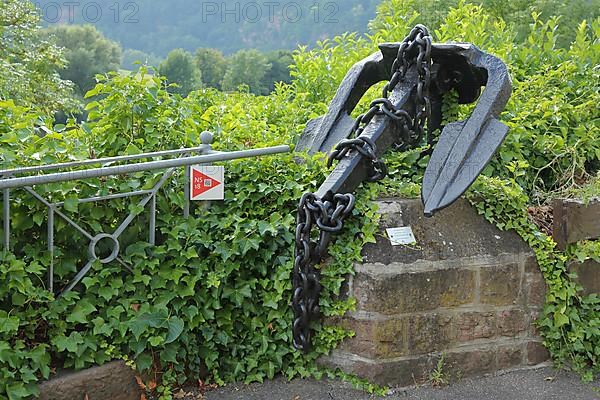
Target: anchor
(420, 73)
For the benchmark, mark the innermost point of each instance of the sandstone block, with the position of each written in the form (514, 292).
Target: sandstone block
(500, 285)
(114, 381)
(394, 293)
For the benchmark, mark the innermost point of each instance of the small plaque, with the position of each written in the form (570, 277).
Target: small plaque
(401, 236)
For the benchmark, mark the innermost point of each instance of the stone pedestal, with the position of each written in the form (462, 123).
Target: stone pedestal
(466, 290)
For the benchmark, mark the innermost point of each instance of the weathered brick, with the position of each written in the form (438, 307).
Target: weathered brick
(509, 356)
(399, 372)
(533, 330)
(471, 362)
(392, 337)
(395, 373)
(500, 285)
(429, 332)
(414, 292)
(453, 233)
(376, 338)
(536, 353)
(512, 322)
(475, 325)
(531, 264)
(535, 289)
(588, 275)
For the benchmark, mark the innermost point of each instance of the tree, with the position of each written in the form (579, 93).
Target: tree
(180, 68)
(247, 67)
(280, 61)
(212, 64)
(131, 57)
(88, 53)
(28, 61)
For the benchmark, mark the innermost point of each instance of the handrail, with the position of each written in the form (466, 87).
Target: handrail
(140, 167)
(48, 167)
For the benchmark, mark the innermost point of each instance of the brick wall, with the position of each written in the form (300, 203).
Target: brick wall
(465, 290)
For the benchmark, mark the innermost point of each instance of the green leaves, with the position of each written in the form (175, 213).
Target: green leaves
(8, 324)
(237, 295)
(213, 294)
(560, 319)
(141, 323)
(71, 204)
(174, 328)
(159, 319)
(69, 344)
(82, 312)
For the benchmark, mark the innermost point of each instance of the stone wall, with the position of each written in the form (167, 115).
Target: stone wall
(466, 290)
(112, 381)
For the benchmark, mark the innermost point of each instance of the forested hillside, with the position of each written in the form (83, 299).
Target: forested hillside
(157, 27)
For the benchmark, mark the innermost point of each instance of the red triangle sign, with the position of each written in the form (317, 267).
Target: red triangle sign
(202, 183)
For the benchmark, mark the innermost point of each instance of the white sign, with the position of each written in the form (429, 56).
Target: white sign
(207, 183)
(401, 236)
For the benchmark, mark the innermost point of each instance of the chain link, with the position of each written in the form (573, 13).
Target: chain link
(328, 217)
(366, 147)
(324, 217)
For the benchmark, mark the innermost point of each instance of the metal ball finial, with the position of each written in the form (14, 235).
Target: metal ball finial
(206, 137)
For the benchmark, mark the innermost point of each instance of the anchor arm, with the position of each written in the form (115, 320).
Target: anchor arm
(323, 133)
(466, 147)
(352, 170)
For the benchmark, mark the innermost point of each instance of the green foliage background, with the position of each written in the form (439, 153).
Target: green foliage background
(28, 61)
(212, 298)
(157, 28)
(87, 53)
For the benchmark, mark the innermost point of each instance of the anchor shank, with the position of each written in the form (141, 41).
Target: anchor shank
(384, 132)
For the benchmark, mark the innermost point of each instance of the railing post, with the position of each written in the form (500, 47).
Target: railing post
(6, 216)
(51, 249)
(186, 193)
(152, 228)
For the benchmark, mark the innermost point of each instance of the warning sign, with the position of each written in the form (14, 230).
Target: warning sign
(207, 183)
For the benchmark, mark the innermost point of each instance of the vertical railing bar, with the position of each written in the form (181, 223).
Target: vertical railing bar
(59, 213)
(152, 228)
(51, 249)
(6, 216)
(186, 193)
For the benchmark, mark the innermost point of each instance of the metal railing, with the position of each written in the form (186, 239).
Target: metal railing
(10, 179)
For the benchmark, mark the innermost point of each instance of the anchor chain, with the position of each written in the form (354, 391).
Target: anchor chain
(328, 218)
(321, 217)
(366, 147)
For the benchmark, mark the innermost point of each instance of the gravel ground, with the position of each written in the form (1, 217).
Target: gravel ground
(531, 384)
